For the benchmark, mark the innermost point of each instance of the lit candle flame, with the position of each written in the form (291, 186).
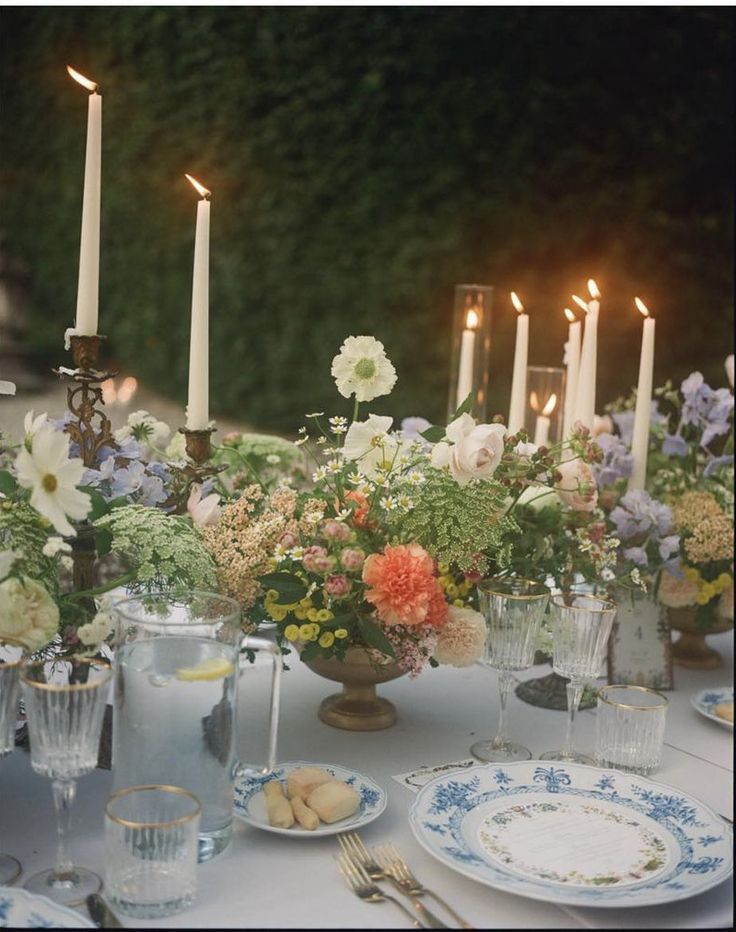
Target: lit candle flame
(80, 78)
(127, 389)
(199, 188)
(550, 406)
(570, 316)
(533, 401)
(471, 320)
(516, 301)
(581, 303)
(593, 289)
(641, 306)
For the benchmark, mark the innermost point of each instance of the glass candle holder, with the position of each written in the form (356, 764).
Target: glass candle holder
(545, 390)
(151, 843)
(630, 728)
(471, 347)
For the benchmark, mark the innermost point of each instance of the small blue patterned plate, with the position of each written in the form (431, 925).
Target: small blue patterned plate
(20, 909)
(250, 805)
(567, 833)
(707, 699)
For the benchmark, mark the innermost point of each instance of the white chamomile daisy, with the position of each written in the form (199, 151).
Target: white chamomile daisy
(362, 369)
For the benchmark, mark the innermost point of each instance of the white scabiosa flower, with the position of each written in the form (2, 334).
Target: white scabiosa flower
(52, 476)
(152, 434)
(361, 368)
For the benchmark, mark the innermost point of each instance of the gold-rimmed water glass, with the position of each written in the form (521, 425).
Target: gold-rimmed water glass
(65, 704)
(513, 609)
(151, 845)
(629, 728)
(9, 676)
(581, 626)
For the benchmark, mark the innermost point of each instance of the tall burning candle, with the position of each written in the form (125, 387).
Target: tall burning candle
(88, 289)
(541, 428)
(572, 360)
(642, 415)
(585, 393)
(199, 350)
(518, 381)
(467, 355)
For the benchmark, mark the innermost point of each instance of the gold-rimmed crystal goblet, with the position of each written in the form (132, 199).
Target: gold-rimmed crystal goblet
(65, 704)
(513, 610)
(9, 671)
(581, 626)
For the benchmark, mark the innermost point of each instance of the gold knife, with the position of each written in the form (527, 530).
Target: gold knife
(101, 914)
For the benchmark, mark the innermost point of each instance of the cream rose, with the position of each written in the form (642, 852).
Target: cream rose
(473, 451)
(676, 592)
(577, 489)
(28, 614)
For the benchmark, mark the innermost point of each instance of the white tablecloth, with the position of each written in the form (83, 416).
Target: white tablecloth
(270, 881)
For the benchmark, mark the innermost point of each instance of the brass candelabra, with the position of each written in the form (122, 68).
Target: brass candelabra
(198, 468)
(91, 430)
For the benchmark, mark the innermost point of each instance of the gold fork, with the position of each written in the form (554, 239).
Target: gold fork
(396, 867)
(352, 846)
(360, 883)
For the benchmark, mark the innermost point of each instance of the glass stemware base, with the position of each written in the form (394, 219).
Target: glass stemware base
(10, 870)
(495, 752)
(574, 758)
(69, 890)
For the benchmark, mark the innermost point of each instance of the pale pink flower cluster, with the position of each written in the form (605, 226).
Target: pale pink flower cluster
(243, 541)
(338, 586)
(316, 559)
(461, 640)
(352, 559)
(413, 646)
(336, 530)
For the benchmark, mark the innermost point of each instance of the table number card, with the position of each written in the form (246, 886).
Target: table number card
(639, 651)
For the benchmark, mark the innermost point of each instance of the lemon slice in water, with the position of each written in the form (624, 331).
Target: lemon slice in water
(213, 669)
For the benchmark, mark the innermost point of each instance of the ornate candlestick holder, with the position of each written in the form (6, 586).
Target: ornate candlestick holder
(91, 430)
(198, 445)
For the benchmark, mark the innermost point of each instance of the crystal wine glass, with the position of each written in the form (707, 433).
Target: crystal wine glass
(64, 725)
(513, 610)
(9, 867)
(581, 626)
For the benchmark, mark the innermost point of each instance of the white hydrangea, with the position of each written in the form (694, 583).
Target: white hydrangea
(96, 631)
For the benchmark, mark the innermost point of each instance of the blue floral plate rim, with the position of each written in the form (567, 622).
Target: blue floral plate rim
(374, 800)
(705, 700)
(40, 912)
(698, 850)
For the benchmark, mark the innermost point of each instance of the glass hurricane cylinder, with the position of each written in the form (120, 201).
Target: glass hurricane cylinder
(545, 400)
(471, 347)
(581, 627)
(513, 610)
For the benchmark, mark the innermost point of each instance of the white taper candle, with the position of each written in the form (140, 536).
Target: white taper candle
(643, 411)
(198, 404)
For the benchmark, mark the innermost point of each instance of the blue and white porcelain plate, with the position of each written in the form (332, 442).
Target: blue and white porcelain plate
(572, 834)
(250, 804)
(707, 700)
(20, 909)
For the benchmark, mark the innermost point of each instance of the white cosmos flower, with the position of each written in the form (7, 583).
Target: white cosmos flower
(370, 445)
(52, 476)
(361, 368)
(32, 423)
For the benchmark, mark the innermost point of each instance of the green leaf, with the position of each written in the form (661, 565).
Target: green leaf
(103, 542)
(465, 408)
(433, 434)
(8, 485)
(290, 588)
(374, 637)
(311, 651)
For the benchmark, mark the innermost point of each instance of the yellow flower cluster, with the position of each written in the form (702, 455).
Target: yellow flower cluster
(456, 592)
(707, 589)
(312, 619)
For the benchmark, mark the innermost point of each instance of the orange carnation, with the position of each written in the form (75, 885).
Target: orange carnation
(403, 587)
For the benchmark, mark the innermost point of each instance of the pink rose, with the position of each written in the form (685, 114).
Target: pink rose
(203, 511)
(577, 488)
(335, 530)
(352, 558)
(288, 540)
(337, 586)
(317, 560)
(473, 451)
(602, 424)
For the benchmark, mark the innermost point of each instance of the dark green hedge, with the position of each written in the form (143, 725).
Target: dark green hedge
(363, 160)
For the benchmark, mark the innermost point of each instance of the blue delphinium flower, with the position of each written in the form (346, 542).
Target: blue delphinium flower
(674, 445)
(617, 460)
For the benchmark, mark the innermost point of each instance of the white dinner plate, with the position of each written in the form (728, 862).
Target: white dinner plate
(250, 804)
(707, 699)
(20, 909)
(572, 834)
